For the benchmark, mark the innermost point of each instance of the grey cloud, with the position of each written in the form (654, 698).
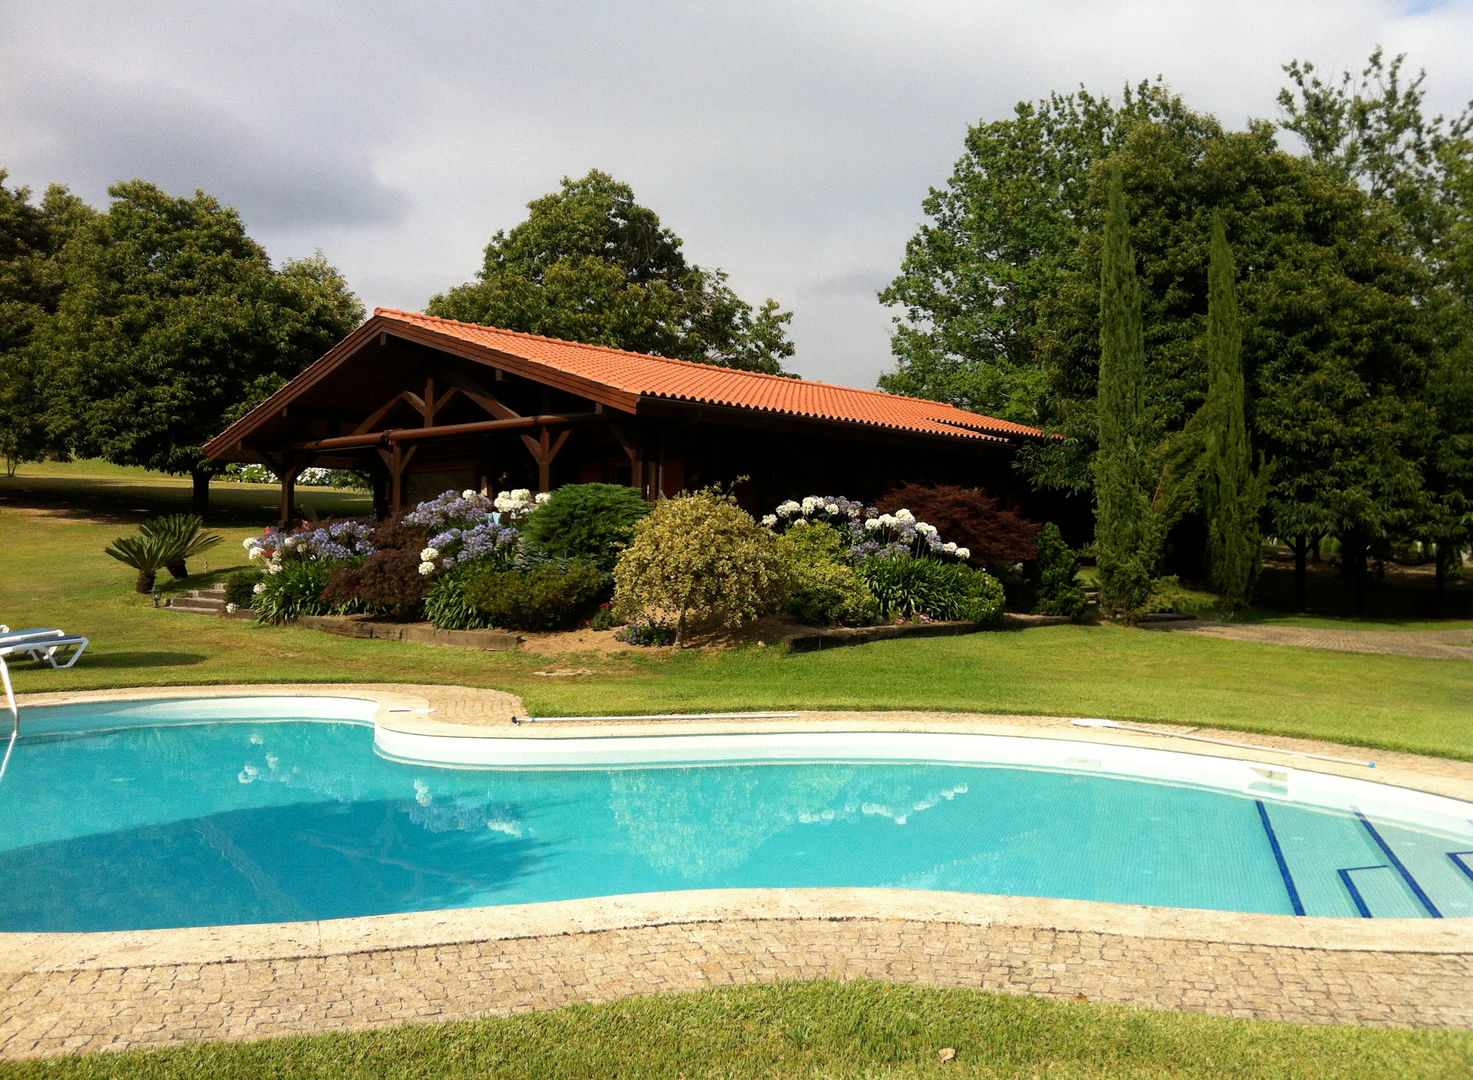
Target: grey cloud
(99, 132)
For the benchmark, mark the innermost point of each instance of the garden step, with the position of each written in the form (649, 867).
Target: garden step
(209, 601)
(198, 604)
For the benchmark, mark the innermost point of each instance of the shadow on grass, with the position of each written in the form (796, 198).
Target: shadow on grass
(141, 659)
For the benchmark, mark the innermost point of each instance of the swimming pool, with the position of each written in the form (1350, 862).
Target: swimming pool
(179, 813)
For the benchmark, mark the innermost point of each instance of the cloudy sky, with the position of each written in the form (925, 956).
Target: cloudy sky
(789, 143)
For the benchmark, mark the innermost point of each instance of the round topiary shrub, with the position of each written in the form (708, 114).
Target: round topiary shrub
(592, 522)
(698, 559)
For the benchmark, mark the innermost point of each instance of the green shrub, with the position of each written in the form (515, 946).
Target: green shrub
(603, 618)
(1057, 571)
(549, 596)
(698, 559)
(591, 522)
(906, 587)
(297, 590)
(447, 605)
(240, 587)
(825, 588)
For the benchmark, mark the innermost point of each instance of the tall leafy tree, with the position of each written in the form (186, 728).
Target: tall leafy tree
(30, 289)
(1231, 493)
(1127, 532)
(1372, 128)
(1001, 236)
(1334, 339)
(171, 318)
(590, 264)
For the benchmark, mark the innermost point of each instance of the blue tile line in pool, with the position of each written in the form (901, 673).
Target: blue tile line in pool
(1360, 904)
(1273, 842)
(1422, 897)
(1457, 858)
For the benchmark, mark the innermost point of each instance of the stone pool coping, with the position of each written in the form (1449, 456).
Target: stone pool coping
(72, 992)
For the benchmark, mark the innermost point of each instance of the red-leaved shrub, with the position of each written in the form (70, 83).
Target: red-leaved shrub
(969, 517)
(388, 580)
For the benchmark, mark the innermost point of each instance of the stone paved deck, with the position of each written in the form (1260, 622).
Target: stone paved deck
(68, 993)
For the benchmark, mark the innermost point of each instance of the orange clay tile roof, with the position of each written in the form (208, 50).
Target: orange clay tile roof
(682, 380)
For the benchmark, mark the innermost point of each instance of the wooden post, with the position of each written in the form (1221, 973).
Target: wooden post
(396, 459)
(543, 449)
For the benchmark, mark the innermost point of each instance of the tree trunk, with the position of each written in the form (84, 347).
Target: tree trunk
(145, 582)
(1439, 575)
(200, 497)
(1353, 556)
(1301, 573)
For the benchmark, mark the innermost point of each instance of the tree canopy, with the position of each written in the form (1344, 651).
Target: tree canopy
(170, 319)
(590, 264)
(30, 289)
(972, 290)
(1353, 293)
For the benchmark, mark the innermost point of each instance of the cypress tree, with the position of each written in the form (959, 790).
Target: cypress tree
(1127, 529)
(1231, 494)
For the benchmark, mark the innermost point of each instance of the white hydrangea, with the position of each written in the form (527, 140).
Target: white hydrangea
(426, 568)
(871, 524)
(249, 542)
(963, 553)
(788, 509)
(469, 493)
(770, 520)
(429, 554)
(949, 548)
(925, 528)
(889, 521)
(258, 588)
(810, 504)
(832, 508)
(542, 497)
(273, 568)
(513, 500)
(904, 515)
(230, 609)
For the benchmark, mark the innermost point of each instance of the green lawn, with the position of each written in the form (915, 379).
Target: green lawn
(839, 1031)
(54, 522)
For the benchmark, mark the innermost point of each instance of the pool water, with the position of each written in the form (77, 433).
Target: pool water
(249, 821)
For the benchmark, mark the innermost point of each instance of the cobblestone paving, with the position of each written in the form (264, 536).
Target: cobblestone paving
(1434, 644)
(47, 1013)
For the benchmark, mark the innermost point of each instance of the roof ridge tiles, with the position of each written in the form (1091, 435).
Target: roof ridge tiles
(664, 359)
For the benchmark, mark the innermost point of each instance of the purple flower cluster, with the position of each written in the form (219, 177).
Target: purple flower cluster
(338, 542)
(450, 509)
(477, 541)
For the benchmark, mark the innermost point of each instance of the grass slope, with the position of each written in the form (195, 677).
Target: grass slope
(856, 1029)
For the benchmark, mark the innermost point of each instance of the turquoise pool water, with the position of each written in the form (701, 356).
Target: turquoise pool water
(250, 821)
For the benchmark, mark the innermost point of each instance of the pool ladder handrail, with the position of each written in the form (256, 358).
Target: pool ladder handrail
(14, 716)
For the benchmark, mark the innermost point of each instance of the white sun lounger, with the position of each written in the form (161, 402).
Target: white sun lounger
(54, 647)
